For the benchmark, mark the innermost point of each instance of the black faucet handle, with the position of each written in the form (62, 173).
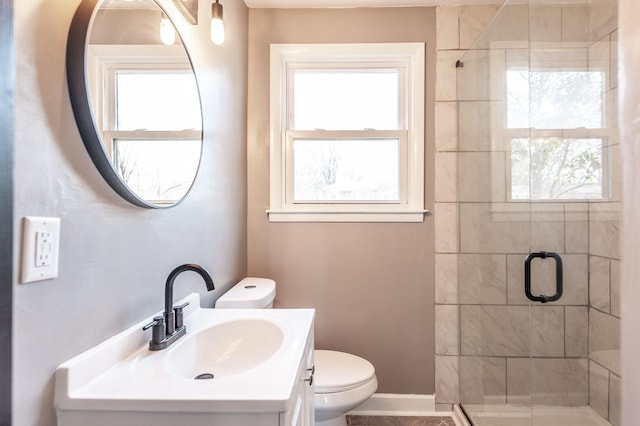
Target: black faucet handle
(157, 334)
(156, 321)
(179, 315)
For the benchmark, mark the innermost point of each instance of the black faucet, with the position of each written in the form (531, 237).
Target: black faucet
(170, 327)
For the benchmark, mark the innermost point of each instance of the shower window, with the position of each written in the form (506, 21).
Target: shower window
(556, 168)
(557, 149)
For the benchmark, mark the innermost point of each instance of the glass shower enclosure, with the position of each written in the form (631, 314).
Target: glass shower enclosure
(538, 197)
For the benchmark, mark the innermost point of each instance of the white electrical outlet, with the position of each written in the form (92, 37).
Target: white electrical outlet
(40, 244)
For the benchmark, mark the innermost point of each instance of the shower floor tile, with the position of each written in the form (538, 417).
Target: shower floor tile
(399, 421)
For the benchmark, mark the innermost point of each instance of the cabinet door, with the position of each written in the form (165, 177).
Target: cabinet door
(302, 411)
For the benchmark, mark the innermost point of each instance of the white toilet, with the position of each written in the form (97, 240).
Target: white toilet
(341, 381)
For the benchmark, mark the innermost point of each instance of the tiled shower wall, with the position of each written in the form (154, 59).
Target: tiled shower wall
(482, 318)
(604, 219)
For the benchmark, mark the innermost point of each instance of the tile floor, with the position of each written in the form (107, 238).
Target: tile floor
(399, 421)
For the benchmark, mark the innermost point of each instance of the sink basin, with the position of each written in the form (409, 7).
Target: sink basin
(225, 349)
(246, 360)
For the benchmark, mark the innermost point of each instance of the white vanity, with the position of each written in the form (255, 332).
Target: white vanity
(233, 367)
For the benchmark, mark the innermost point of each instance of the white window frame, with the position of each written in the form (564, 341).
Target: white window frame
(104, 61)
(408, 57)
(563, 60)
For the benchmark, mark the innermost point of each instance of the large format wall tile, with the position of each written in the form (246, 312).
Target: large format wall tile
(599, 285)
(615, 288)
(547, 331)
(519, 381)
(482, 278)
(613, 151)
(494, 228)
(560, 381)
(446, 172)
(483, 380)
(556, 381)
(478, 122)
(615, 386)
(576, 331)
(603, 18)
(446, 227)
(473, 22)
(604, 224)
(604, 340)
(446, 271)
(447, 27)
(483, 76)
(575, 25)
(482, 176)
(599, 389)
(495, 330)
(576, 226)
(446, 74)
(447, 330)
(547, 227)
(447, 379)
(446, 127)
(508, 29)
(545, 26)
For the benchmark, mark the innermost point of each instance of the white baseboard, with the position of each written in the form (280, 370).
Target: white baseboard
(398, 405)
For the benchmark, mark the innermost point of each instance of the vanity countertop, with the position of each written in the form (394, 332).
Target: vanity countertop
(123, 374)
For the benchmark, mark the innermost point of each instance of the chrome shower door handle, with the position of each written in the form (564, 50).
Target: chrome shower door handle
(527, 277)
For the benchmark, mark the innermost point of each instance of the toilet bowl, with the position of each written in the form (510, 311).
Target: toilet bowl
(342, 381)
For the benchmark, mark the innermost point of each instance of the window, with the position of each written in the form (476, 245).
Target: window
(347, 132)
(557, 151)
(147, 104)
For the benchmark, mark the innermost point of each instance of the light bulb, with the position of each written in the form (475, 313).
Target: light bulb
(217, 31)
(167, 32)
(217, 26)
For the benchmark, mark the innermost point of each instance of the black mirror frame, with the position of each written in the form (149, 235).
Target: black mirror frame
(77, 82)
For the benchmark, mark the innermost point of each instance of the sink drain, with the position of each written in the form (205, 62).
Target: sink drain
(203, 376)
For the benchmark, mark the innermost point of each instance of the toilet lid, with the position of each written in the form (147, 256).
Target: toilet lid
(340, 371)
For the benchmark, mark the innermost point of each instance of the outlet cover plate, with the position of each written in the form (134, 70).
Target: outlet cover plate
(40, 246)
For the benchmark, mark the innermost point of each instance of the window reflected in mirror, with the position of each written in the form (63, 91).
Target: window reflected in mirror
(140, 162)
(153, 129)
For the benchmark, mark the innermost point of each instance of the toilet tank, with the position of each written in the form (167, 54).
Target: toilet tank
(250, 293)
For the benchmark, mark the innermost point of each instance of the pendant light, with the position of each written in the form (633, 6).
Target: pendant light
(217, 26)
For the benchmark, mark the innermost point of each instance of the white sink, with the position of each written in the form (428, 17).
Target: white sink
(253, 356)
(225, 349)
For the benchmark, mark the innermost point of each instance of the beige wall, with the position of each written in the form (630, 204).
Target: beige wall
(371, 283)
(114, 257)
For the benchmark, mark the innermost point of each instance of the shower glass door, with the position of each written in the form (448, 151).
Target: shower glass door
(538, 221)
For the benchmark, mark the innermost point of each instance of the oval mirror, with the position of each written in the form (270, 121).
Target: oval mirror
(135, 99)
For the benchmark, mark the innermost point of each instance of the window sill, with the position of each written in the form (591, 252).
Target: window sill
(310, 216)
